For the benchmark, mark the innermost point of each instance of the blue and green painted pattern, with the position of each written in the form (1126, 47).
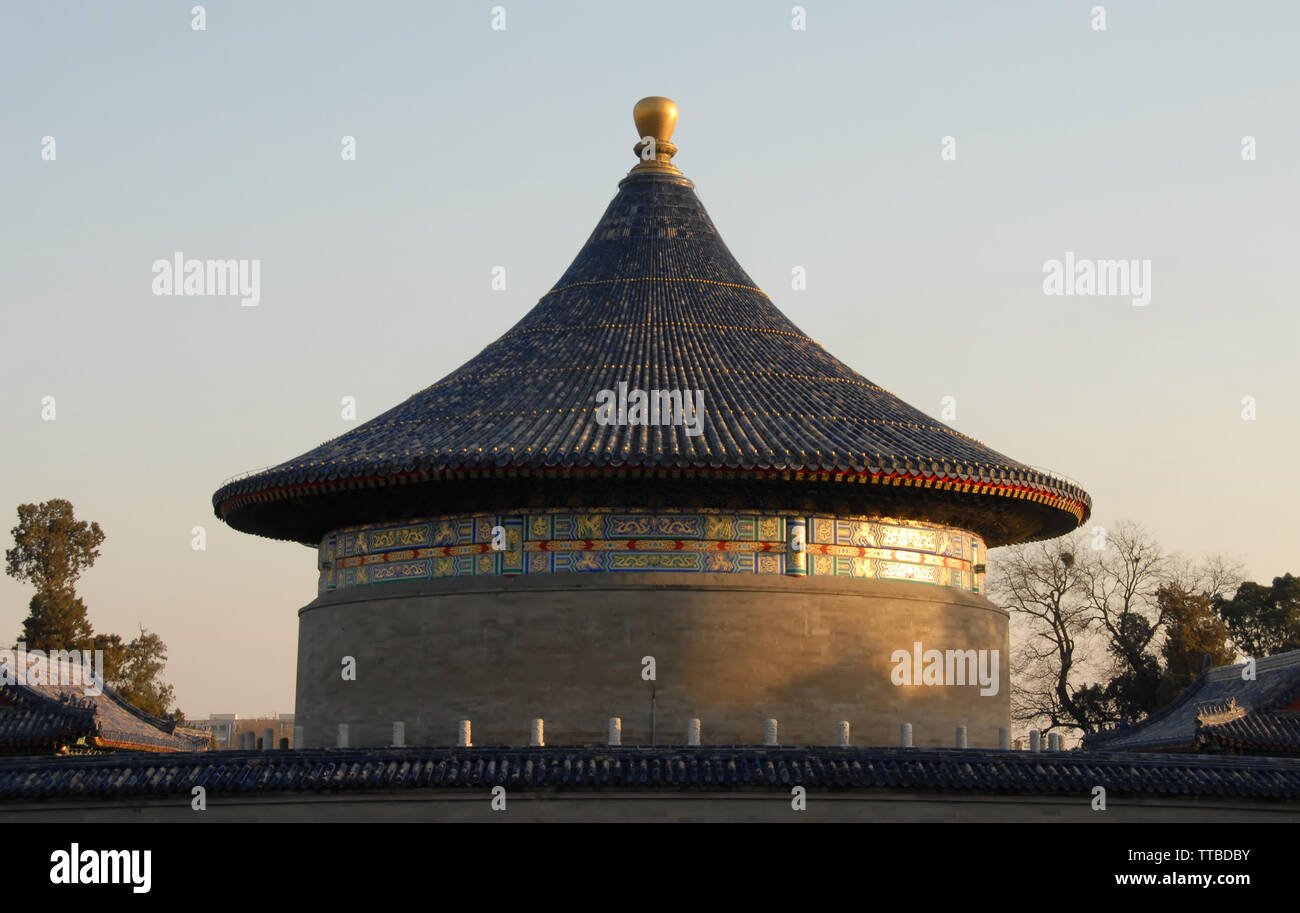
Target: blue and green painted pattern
(612, 541)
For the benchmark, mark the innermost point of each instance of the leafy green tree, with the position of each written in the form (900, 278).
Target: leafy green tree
(139, 676)
(57, 620)
(114, 654)
(51, 549)
(1263, 620)
(1193, 632)
(1133, 690)
(51, 546)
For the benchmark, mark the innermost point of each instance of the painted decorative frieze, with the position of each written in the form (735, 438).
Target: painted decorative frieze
(611, 541)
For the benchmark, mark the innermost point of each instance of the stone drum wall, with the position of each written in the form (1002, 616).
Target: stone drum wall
(885, 627)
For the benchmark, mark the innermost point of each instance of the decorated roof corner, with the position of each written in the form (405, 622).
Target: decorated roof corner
(60, 707)
(1225, 708)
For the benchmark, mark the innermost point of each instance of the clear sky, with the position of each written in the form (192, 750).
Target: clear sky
(478, 148)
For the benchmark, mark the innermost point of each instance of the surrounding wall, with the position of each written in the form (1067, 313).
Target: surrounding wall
(626, 806)
(730, 650)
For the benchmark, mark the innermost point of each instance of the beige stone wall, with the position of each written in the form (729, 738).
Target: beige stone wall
(730, 650)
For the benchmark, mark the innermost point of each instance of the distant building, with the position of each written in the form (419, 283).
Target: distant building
(1222, 712)
(55, 712)
(227, 729)
(220, 725)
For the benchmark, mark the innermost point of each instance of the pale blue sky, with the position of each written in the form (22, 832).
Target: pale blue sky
(479, 148)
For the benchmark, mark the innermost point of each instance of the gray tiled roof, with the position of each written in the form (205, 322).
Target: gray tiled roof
(656, 300)
(1209, 705)
(38, 723)
(1276, 731)
(715, 768)
(43, 715)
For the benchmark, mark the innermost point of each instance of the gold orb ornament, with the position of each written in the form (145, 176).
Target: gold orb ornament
(656, 119)
(656, 116)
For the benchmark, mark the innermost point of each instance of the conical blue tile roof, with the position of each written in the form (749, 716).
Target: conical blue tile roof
(654, 300)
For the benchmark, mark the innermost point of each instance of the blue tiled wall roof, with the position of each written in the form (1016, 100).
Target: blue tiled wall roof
(942, 770)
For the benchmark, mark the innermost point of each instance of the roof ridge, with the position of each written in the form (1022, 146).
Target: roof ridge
(1185, 697)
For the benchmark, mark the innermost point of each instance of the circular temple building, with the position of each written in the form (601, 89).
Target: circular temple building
(653, 462)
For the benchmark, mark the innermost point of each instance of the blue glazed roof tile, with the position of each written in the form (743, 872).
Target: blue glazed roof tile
(1221, 709)
(955, 771)
(36, 716)
(654, 300)
(1277, 731)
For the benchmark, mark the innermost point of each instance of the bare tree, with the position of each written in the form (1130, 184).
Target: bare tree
(1122, 580)
(1089, 625)
(1214, 576)
(1040, 583)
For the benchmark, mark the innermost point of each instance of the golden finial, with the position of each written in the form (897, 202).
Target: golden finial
(656, 118)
